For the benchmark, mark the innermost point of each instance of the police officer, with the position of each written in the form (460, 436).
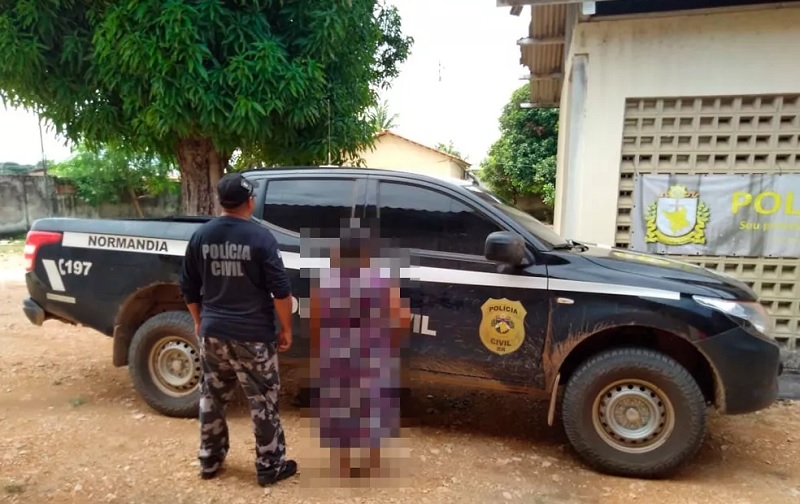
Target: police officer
(232, 270)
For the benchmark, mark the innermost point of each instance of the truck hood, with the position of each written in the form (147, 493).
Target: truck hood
(694, 279)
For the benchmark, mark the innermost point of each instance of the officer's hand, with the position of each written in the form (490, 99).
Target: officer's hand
(284, 340)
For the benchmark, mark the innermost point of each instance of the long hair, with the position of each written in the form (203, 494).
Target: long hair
(356, 241)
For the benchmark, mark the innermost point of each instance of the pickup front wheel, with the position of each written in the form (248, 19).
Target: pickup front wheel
(164, 364)
(634, 412)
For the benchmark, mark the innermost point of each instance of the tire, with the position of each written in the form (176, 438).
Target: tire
(165, 340)
(656, 387)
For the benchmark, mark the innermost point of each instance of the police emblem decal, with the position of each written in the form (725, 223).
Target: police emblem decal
(502, 328)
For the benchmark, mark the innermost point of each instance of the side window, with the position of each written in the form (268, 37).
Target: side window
(429, 220)
(319, 204)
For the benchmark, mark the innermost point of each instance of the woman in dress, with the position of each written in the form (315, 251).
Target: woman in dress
(358, 321)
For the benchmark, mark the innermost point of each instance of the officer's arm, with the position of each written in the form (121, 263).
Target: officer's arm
(191, 282)
(278, 284)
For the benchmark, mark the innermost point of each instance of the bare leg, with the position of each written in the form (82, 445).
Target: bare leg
(340, 462)
(374, 462)
(344, 463)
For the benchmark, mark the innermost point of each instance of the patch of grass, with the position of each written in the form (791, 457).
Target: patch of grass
(77, 401)
(13, 488)
(12, 245)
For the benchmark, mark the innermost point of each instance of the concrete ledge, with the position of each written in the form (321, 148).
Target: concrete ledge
(789, 387)
(791, 359)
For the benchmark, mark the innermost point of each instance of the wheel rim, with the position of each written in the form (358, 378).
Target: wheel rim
(175, 366)
(633, 416)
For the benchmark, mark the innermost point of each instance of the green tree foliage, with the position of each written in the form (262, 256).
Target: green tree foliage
(381, 118)
(523, 161)
(378, 115)
(111, 174)
(195, 81)
(449, 148)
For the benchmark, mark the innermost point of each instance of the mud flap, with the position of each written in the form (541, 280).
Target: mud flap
(122, 341)
(551, 413)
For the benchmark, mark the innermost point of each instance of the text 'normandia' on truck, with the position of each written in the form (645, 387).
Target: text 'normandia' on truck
(639, 346)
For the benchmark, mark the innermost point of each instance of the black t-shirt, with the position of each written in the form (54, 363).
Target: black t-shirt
(233, 267)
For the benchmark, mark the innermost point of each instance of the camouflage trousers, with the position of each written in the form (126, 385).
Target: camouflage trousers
(253, 366)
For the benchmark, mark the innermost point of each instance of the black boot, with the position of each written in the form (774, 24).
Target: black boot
(288, 470)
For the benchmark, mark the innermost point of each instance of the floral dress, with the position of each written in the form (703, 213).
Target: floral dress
(358, 368)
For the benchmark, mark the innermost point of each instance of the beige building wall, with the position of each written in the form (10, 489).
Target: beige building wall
(393, 153)
(713, 92)
(748, 52)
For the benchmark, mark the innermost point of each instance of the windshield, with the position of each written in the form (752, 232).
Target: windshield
(527, 221)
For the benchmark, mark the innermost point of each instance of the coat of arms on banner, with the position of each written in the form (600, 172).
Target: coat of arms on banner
(677, 217)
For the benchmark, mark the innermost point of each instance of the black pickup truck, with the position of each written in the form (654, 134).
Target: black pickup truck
(639, 345)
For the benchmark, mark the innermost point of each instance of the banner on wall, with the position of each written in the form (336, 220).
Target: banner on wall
(729, 215)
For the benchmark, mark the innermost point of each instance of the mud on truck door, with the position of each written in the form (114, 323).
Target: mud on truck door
(473, 321)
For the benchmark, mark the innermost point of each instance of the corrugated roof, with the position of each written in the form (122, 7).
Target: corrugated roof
(543, 52)
(546, 47)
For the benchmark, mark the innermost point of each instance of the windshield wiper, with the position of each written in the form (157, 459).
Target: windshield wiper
(571, 244)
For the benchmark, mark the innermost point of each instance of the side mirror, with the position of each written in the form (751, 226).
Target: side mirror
(505, 247)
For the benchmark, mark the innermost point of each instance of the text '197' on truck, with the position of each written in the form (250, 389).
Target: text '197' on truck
(632, 348)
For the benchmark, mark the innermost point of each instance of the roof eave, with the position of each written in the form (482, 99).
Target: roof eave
(446, 154)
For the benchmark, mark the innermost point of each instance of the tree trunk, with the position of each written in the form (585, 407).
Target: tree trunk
(135, 202)
(201, 168)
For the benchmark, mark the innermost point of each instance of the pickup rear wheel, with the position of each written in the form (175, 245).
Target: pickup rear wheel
(164, 364)
(634, 412)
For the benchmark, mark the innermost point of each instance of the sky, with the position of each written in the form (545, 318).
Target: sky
(463, 67)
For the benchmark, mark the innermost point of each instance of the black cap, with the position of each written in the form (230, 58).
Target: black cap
(233, 189)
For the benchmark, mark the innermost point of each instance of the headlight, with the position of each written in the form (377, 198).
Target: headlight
(751, 311)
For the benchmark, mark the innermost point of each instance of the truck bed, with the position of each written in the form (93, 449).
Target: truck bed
(175, 227)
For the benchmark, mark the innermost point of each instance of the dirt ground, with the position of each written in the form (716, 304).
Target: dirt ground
(74, 431)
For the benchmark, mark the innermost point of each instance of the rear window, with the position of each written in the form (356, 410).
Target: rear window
(314, 204)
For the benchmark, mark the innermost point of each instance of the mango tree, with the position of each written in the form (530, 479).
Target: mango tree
(195, 81)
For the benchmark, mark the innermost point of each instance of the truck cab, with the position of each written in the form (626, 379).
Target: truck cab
(633, 347)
